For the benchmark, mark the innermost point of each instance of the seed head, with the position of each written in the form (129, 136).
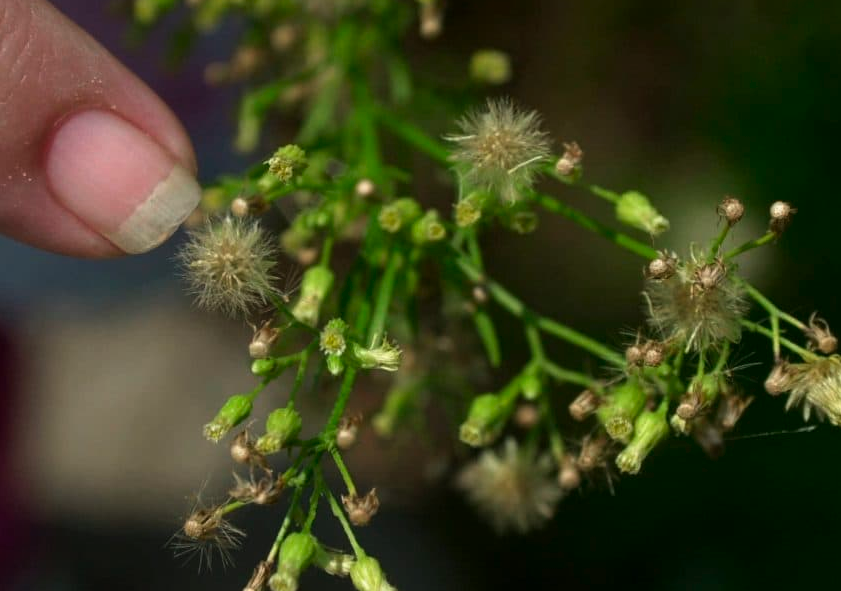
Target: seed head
(514, 489)
(731, 409)
(228, 266)
(569, 164)
(251, 206)
(634, 355)
(782, 378)
(360, 510)
(205, 534)
(663, 267)
(817, 384)
(654, 353)
(781, 216)
(500, 149)
(264, 491)
(732, 210)
(594, 451)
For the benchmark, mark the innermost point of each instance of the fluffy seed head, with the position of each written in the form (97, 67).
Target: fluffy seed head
(700, 305)
(817, 384)
(205, 534)
(228, 266)
(514, 489)
(500, 148)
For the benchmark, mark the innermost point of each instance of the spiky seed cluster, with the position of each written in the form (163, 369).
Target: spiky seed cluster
(228, 266)
(500, 148)
(204, 534)
(515, 489)
(700, 305)
(816, 384)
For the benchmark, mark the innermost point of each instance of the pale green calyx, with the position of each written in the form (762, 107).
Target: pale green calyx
(620, 409)
(282, 426)
(428, 229)
(634, 208)
(296, 554)
(287, 162)
(367, 575)
(385, 356)
(485, 420)
(490, 66)
(650, 428)
(315, 286)
(398, 214)
(468, 211)
(233, 412)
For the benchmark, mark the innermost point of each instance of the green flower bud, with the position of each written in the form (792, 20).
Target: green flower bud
(523, 222)
(620, 408)
(262, 367)
(287, 162)
(468, 211)
(296, 554)
(315, 286)
(282, 426)
(367, 575)
(635, 209)
(234, 411)
(490, 66)
(702, 391)
(428, 229)
(399, 214)
(531, 386)
(333, 562)
(485, 420)
(332, 339)
(398, 405)
(384, 356)
(335, 364)
(650, 428)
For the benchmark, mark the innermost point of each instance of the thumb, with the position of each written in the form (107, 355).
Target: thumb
(92, 163)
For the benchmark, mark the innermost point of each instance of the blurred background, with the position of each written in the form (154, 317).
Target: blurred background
(104, 367)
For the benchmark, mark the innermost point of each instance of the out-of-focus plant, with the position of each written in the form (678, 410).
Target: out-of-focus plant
(339, 64)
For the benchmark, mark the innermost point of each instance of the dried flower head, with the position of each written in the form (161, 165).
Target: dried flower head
(263, 340)
(731, 409)
(228, 266)
(781, 379)
(527, 415)
(569, 163)
(663, 267)
(360, 510)
(817, 384)
(584, 405)
(262, 491)
(205, 534)
(732, 210)
(594, 452)
(700, 305)
(244, 452)
(515, 489)
(500, 148)
(347, 430)
(260, 577)
(781, 216)
(819, 335)
(569, 476)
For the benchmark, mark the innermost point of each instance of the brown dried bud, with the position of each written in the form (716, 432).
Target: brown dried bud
(690, 404)
(347, 431)
(365, 188)
(654, 353)
(360, 510)
(731, 409)
(570, 162)
(708, 276)
(732, 210)
(260, 578)
(584, 405)
(431, 20)
(593, 452)
(307, 255)
(635, 355)
(262, 341)
(526, 416)
(819, 335)
(202, 524)
(245, 206)
(265, 491)
(569, 478)
(241, 448)
(781, 215)
(780, 379)
(663, 267)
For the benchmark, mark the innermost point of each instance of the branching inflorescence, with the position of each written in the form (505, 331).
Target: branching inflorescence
(675, 379)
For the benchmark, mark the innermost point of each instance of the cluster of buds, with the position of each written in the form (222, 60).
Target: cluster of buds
(569, 164)
(361, 510)
(649, 353)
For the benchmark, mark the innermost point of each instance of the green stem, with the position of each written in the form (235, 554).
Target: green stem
(232, 506)
(722, 359)
(284, 527)
(769, 306)
(313, 505)
(302, 371)
(758, 328)
(340, 464)
(535, 344)
(340, 515)
(413, 136)
(384, 293)
(326, 251)
(556, 443)
(750, 245)
(719, 240)
(564, 375)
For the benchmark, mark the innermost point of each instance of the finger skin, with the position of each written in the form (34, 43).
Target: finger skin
(51, 70)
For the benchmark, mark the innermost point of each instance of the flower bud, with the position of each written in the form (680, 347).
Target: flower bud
(428, 229)
(489, 66)
(702, 391)
(242, 449)
(315, 285)
(650, 428)
(296, 553)
(333, 562)
(732, 210)
(262, 341)
(654, 353)
(287, 163)
(385, 356)
(468, 211)
(367, 575)
(282, 425)
(360, 510)
(569, 165)
(485, 420)
(335, 365)
(531, 386)
(680, 425)
(347, 430)
(365, 188)
(584, 405)
(635, 210)
(781, 215)
(526, 416)
(235, 410)
(398, 214)
(635, 355)
(620, 408)
(523, 222)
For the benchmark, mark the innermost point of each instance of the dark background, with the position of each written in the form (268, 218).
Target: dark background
(685, 101)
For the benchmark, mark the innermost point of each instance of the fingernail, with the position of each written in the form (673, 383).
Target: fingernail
(119, 181)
